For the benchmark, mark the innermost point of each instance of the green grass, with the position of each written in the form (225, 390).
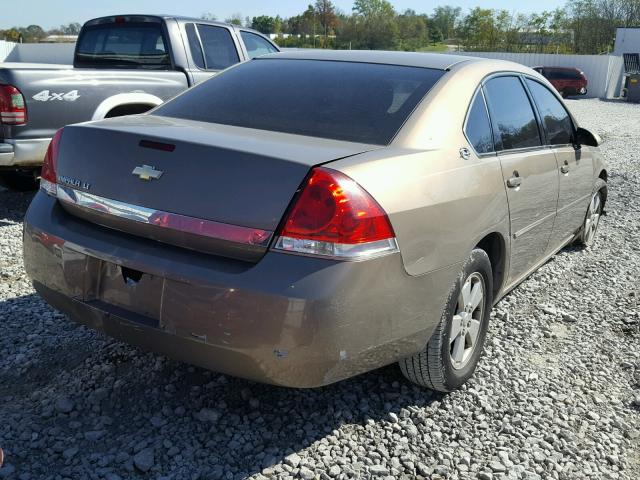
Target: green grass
(438, 47)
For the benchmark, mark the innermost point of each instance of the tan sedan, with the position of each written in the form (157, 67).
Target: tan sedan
(308, 216)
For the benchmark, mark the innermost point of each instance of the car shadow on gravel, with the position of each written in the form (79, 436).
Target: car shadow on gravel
(127, 402)
(13, 205)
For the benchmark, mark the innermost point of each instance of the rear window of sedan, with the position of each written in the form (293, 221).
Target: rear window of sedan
(357, 102)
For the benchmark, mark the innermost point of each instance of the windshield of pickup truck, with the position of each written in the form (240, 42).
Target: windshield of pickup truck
(124, 45)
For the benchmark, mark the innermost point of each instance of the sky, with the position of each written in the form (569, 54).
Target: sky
(49, 14)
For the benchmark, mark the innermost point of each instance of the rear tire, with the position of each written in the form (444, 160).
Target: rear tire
(587, 235)
(21, 181)
(451, 355)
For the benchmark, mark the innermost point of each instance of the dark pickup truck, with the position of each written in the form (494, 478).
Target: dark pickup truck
(123, 64)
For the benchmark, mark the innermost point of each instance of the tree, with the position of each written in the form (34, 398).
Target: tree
(71, 28)
(326, 14)
(446, 20)
(12, 35)
(32, 34)
(435, 35)
(375, 25)
(373, 8)
(264, 24)
(412, 31)
(479, 30)
(235, 19)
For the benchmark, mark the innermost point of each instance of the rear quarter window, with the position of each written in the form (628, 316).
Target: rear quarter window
(478, 127)
(358, 102)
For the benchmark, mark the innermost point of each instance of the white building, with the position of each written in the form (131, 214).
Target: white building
(627, 41)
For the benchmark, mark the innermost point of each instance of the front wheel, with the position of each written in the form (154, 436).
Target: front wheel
(587, 236)
(451, 355)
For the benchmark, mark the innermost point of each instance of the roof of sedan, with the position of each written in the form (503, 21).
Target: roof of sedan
(437, 61)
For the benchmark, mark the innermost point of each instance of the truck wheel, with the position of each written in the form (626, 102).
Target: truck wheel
(452, 353)
(20, 181)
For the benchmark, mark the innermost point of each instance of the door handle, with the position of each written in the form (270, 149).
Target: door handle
(565, 168)
(515, 181)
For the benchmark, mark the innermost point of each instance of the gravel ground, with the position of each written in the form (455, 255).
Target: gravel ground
(557, 395)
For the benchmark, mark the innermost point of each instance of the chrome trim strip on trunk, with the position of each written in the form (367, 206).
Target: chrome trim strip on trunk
(168, 220)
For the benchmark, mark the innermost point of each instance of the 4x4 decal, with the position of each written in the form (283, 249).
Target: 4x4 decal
(47, 96)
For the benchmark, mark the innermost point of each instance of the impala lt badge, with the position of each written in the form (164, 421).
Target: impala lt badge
(73, 182)
(146, 172)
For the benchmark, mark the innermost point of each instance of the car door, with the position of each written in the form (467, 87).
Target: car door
(529, 170)
(575, 165)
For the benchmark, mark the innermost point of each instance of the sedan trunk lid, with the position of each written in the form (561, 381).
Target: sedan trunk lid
(214, 188)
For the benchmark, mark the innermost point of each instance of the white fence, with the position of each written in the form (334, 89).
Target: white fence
(604, 72)
(57, 53)
(5, 49)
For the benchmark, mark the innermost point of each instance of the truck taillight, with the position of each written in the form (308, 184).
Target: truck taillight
(49, 175)
(13, 110)
(333, 216)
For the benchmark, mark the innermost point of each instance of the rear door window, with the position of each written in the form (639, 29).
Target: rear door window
(555, 118)
(256, 45)
(514, 121)
(478, 127)
(219, 49)
(123, 45)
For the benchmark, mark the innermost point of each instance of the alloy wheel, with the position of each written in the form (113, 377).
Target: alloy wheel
(465, 325)
(593, 219)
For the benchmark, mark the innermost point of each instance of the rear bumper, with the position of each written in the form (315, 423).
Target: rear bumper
(23, 153)
(573, 90)
(287, 320)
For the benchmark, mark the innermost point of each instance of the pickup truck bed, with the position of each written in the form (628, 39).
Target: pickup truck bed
(58, 95)
(123, 65)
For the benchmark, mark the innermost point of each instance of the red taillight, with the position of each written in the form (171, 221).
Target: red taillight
(13, 110)
(334, 216)
(48, 175)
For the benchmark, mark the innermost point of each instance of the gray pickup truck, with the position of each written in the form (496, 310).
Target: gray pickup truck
(123, 64)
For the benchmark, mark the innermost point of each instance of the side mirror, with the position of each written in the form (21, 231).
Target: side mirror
(585, 137)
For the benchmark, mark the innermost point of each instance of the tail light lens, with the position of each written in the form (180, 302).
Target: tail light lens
(333, 216)
(13, 110)
(48, 175)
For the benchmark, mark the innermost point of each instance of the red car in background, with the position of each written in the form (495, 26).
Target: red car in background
(568, 81)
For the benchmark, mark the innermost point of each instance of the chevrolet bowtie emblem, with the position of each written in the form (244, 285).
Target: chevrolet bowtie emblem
(146, 172)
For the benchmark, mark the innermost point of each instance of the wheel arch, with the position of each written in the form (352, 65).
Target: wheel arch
(124, 100)
(495, 247)
(604, 176)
